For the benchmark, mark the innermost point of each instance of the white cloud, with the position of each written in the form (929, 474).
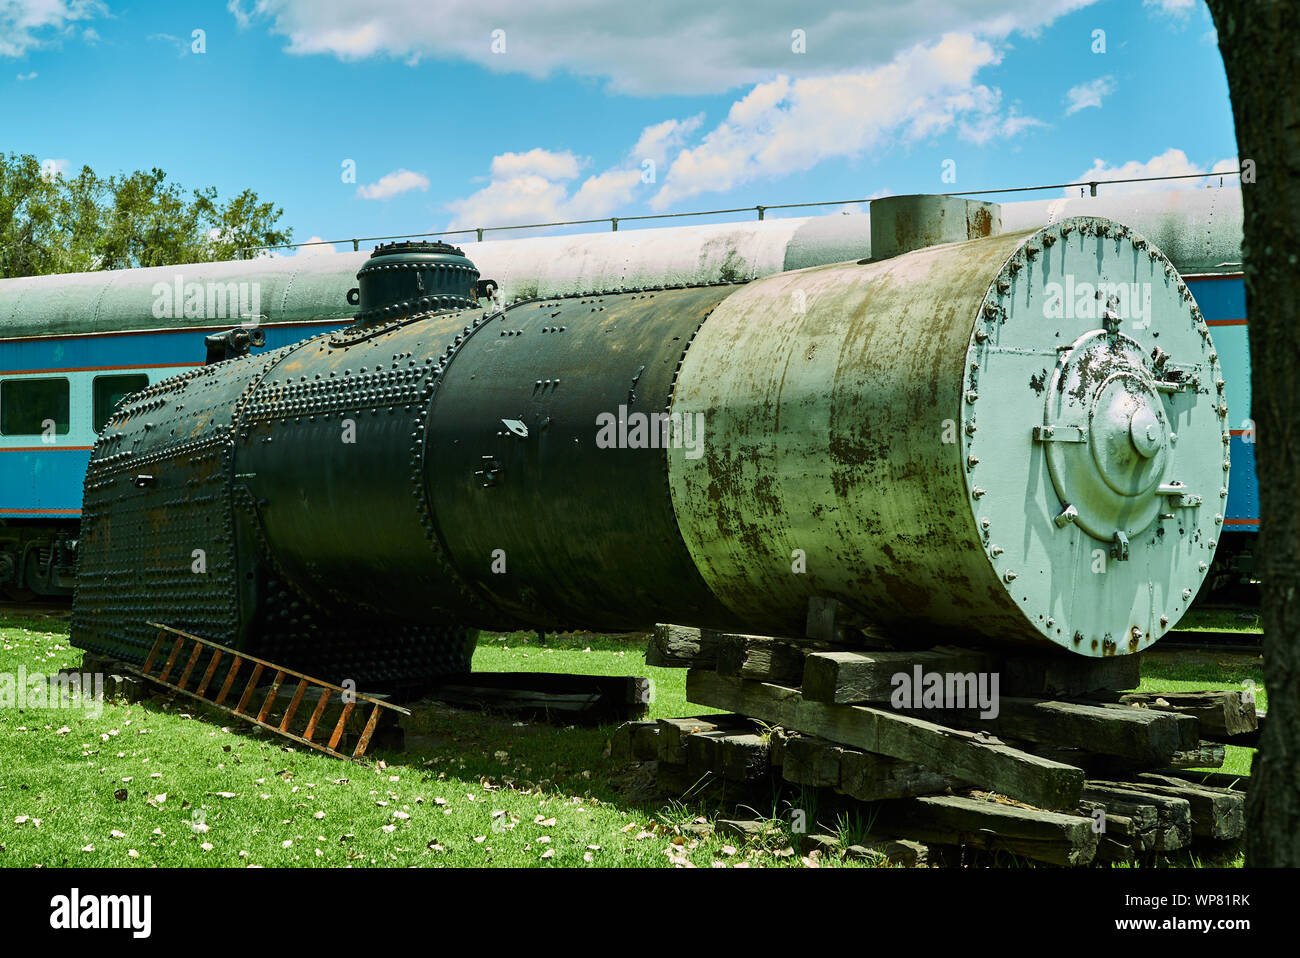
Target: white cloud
(25, 24)
(54, 167)
(777, 128)
(1179, 9)
(1172, 162)
(181, 46)
(23, 77)
(712, 47)
(534, 187)
(323, 249)
(543, 163)
(657, 141)
(393, 184)
(242, 17)
(1088, 94)
(790, 125)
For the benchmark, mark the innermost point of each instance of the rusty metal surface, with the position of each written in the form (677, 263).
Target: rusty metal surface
(826, 392)
(900, 224)
(856, 451)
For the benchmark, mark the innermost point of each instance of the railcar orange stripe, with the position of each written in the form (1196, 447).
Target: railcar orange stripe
(1225, 322)
(50, 448)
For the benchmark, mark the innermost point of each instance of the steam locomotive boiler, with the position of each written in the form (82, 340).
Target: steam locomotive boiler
(1015, 438)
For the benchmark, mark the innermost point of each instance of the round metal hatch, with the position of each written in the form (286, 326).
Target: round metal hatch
(413, 277)
(1106, 435)
(1094, 434)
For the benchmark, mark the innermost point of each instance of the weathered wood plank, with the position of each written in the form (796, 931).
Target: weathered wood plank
(674, 733)
(1233, 782)
(963, 755)
(745, 757)
(703, 757)
(869, 777)
(680, 647)
(1222, 714)
(811, 761)
(842, 678)
(1205, 755)
(1189, 730)
(1217, 813)
(956, 820)
(1173, 814)
(758, 657)
(1144, 735)
(1137, 828)
(899, 851)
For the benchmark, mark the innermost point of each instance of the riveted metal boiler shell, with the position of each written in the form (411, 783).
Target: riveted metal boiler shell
(332, 448)
(556, 528)
(870, 436)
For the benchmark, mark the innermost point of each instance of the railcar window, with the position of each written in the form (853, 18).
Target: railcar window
(111, 390)
(29, 406)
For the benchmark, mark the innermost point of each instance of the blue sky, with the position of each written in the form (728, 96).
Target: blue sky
(450, 123)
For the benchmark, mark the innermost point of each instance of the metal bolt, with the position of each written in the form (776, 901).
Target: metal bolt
(1008, 576)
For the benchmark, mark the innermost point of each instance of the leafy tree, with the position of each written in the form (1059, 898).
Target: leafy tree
(55, 223)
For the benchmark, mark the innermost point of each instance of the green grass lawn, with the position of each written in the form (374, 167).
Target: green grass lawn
(153, 783)
(163, 783)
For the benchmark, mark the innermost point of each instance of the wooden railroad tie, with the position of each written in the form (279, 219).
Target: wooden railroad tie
(1067, 768)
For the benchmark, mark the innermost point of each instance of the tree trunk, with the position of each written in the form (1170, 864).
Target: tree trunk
(1260, 43)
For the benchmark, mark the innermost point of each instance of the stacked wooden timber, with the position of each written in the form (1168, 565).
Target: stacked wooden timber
(1060, 764)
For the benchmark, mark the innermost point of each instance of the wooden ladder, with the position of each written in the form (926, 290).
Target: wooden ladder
(160, 669)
